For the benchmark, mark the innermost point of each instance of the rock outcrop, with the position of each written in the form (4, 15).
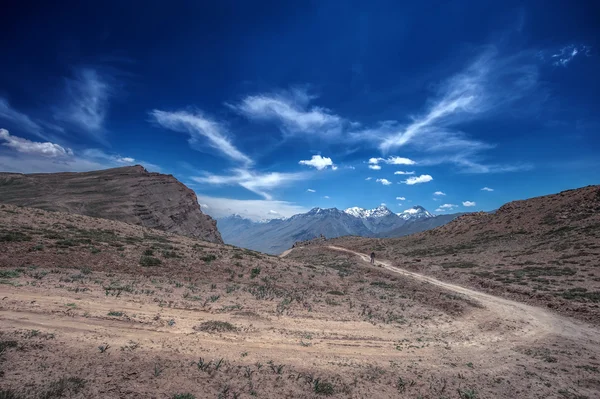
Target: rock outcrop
(130, 194)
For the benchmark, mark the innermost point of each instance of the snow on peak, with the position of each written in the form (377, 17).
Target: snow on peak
(380, 211)
(416, 212)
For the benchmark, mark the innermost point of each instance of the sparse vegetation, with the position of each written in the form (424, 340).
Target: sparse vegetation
(216, 326)
(149, 261)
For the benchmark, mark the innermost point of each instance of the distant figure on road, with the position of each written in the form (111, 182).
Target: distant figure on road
(373, 258)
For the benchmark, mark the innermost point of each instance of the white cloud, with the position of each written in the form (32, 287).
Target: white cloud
(399, 161)
(400, 172)
(19, 120)
(375, 167)
(418, 179)
(439, 193)
(251, 209)
(487, 189)
(401, 198)
(259, 183)
(326, 197)
(310, 190)
(368, 178)
(292, 111)
(488, 85)
(469, 203)
(349, 167)
(392, 161)
(87, 101)
(385, 182)
(26, 156)
(566, 54)
(25, 146)
(319, 162)
(198, 127)
(446, 207)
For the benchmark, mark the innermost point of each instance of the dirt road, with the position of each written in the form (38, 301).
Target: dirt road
(539, 321)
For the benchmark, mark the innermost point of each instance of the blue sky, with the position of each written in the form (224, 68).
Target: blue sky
(271, 108)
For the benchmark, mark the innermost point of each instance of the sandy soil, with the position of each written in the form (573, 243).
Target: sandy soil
(320, 322)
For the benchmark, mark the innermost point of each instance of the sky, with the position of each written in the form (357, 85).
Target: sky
(268, 108)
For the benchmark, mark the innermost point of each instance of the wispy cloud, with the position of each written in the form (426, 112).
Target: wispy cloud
(87, 100)
(385, 182)
(19, 120)
(566, 54)
(292, 110)
(375, 167)
(469, 203)
(400, 172)
(318, 162)
(368, 178)
(310, 190)
(25, 146)
(200, 127)
(401, 198)
(252, 209)
(418, 179)
(488, 85)
(439, 193)
(259, 183)
(487, 189)
(326, 196)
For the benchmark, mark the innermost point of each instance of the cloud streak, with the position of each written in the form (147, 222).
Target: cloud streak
(256, 210)
(291, 110)
(19, 120)
(385, 182)
(258, 183)
(198, 127)
(87, 100)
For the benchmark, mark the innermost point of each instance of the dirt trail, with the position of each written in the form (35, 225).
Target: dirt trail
(539, 321)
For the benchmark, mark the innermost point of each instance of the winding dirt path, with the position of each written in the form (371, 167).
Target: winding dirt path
(540, 321)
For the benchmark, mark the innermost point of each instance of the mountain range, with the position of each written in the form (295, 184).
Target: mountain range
(276, 235)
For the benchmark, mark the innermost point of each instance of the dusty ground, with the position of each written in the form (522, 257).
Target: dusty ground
(543, 251)
(95, 308)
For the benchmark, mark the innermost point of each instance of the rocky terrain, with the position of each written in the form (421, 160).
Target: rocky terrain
(96, 308)
(277, 235)
(128, 194)
(544, 251)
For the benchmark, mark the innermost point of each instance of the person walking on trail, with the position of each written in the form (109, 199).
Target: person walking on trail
(372, 258)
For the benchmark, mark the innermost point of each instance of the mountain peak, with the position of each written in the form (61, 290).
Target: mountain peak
(416, 212)
(362, 213)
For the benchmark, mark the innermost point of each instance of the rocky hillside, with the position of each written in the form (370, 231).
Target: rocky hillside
(542, 250)
(129, 194)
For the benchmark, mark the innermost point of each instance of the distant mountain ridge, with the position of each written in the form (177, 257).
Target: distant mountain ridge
(277, 235)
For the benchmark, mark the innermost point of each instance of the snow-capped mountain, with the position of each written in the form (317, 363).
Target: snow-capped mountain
(380, 211)
(276, 235)
(416, 212)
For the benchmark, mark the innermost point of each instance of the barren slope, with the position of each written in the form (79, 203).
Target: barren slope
(129, 194)
(543, 251)
(93, 308)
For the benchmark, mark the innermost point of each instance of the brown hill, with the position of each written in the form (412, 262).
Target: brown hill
(129, 194)
(96, 308)
(543, 250)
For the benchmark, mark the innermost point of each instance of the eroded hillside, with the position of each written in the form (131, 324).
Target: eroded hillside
(543, 250)
(129, 194)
